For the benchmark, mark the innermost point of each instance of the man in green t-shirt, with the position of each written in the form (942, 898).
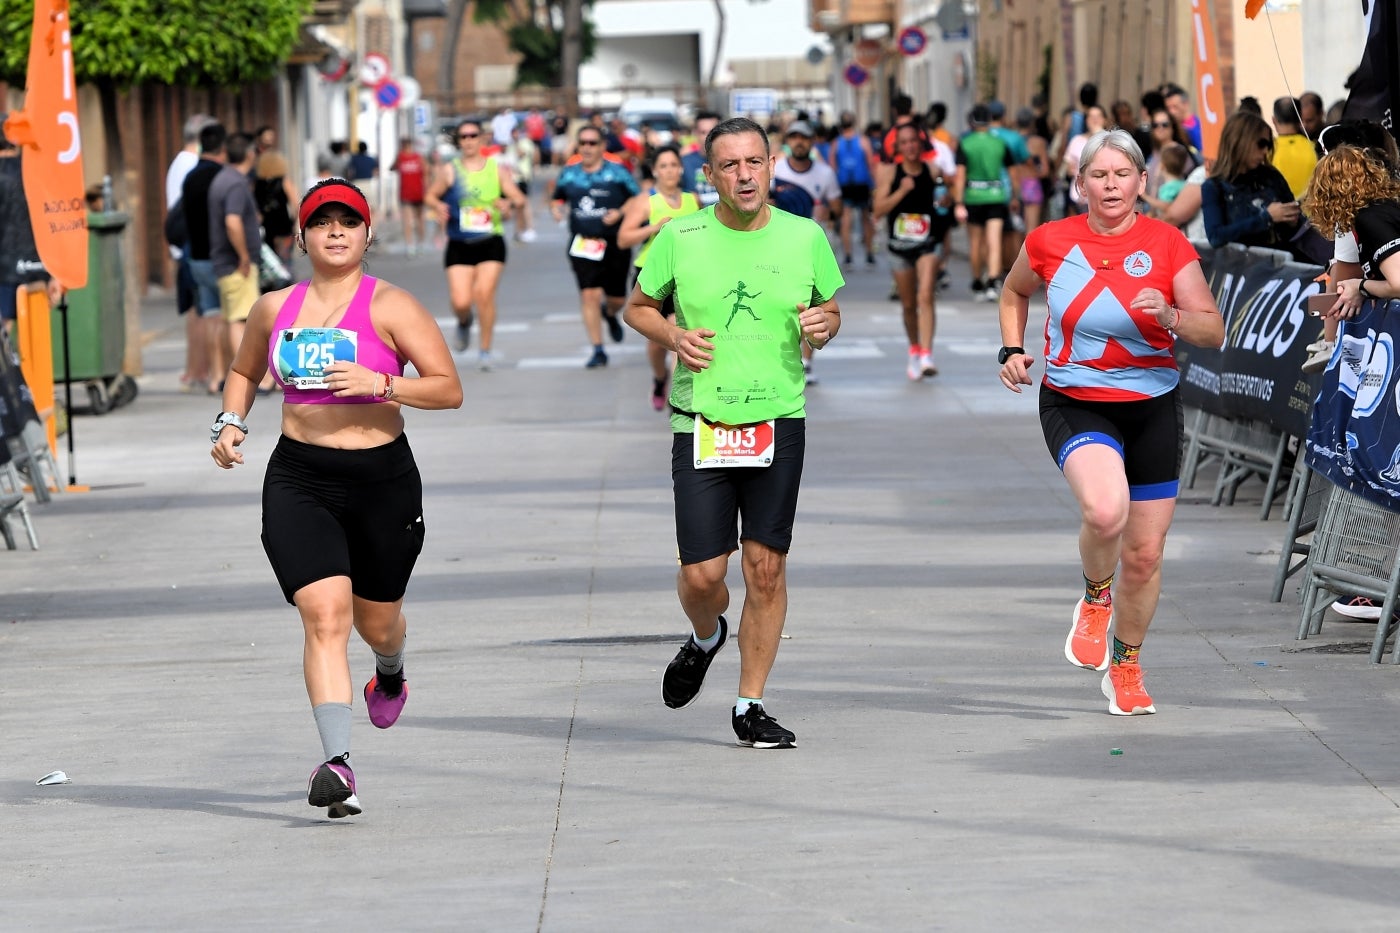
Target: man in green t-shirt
(750, 283)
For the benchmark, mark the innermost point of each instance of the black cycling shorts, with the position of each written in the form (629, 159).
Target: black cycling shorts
(608, 273)
(979, 214)
(709, 503)
(474, 252)
(343, 513)
(1147, 434)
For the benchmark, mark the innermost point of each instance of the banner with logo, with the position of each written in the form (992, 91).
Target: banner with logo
(1209, 96)
(1355, 436)
(1374, 87)
(1258, 372)
(47, 131)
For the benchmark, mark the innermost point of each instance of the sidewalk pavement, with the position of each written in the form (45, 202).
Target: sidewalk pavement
(953, 772)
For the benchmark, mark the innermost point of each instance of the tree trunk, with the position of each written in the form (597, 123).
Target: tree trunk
(447, 69)
(719, 41)
(571, 54)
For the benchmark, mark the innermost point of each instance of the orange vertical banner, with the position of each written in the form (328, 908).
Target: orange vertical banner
(46, 131)
(1208, 96)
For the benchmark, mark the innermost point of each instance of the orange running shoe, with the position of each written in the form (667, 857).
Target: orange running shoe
(1088, 644)
(1126, 695)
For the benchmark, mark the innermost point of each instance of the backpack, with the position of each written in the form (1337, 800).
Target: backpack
(176, 230)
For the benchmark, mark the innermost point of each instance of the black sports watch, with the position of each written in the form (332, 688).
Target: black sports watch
(1005, 353)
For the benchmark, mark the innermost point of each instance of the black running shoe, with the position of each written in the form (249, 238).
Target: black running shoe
(685, 675)
(615, 330)
(756, 729)
(597, 360)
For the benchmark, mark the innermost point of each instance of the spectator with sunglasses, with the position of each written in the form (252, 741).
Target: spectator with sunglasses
(1246, 200)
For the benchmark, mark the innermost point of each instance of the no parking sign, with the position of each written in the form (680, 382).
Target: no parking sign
(912, 40)
(855, 75)
(388, 94)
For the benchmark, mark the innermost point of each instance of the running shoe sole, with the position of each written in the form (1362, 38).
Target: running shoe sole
(328, 789)
(350, 806)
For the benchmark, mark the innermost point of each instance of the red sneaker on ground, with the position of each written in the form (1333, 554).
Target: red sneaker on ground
(1126, 695)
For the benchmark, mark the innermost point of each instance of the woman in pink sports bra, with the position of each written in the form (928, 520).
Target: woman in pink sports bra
(342, 497)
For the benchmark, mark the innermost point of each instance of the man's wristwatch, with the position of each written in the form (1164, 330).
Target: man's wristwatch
(1005, 353)
(226, 418)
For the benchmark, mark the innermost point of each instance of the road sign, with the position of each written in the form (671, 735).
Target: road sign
(411, 91)
(374, 70)
(855, 75)
(761, 102)
(388, 93)
(912, 40)
(868, 52)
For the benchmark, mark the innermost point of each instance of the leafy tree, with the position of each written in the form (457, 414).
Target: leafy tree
(121, 43)
(552, 37)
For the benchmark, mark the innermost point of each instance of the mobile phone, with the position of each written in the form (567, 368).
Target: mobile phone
(1318, 304)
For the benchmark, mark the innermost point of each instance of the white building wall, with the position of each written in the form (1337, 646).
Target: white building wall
(1334, 36)
(753, 29)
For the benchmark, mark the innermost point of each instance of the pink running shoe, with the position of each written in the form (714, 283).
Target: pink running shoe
(384, 709)
(1088, 644)
(332, 785)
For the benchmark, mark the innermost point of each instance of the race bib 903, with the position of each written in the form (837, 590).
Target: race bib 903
(729, 445)
(303, 353)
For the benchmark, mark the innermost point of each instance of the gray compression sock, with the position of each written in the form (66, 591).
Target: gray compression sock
(333, 723)
(390, 664)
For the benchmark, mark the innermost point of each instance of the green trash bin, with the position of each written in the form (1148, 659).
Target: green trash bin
(97, 319)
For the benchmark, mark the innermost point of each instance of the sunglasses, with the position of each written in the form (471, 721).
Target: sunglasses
(468, 135)
(1161, 126)
(1266, 144)
(590, 142)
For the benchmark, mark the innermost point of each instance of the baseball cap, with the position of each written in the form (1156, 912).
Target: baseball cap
(799, 128)
(980, 115)
(335, 191)
(996, 110)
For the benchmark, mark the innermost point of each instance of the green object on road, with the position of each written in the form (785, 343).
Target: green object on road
(1115, 751)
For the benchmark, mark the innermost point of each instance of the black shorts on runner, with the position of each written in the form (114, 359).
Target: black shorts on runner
(979, 214)
(1147, 434)
(343, 513)
(608, 273)
(709, 503)
(855, 195)
(474, 252)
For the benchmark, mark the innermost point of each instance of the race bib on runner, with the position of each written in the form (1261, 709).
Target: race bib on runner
(728, 445)
(588, 247)
(303, 353)
(912, 228)
(476, 220)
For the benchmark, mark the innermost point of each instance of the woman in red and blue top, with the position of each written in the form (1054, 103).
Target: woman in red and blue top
(342, 498)
(1120, 288)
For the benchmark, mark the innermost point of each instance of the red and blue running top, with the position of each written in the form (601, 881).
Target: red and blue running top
(1096, 346)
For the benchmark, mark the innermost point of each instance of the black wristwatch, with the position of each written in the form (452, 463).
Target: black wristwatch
(1005, 353)
(1361, 289)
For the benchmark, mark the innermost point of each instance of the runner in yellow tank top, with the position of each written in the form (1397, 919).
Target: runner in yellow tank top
(640, 225)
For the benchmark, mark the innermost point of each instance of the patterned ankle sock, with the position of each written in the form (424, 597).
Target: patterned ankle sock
(1099, 591)
(1123, 653)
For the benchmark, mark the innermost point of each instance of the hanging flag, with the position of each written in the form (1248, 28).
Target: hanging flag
(1208, 94)
(47, 132)
(1374, 86)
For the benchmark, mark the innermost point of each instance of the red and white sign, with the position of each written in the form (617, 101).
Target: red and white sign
(374, 70)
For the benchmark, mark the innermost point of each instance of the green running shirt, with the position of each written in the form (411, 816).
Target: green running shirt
(745, 286)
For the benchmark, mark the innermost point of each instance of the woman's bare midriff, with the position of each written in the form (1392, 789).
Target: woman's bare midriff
(343, 427)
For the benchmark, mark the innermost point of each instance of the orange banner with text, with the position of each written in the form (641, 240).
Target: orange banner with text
(1209, 97)
(46, 131)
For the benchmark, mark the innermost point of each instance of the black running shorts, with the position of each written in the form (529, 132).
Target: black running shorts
(1146, 433)
(608, 273)
(709, 503)
(343, 513)
(474, 252)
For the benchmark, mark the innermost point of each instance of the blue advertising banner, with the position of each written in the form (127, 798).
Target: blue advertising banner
(1355, 436)
(1258, 372)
